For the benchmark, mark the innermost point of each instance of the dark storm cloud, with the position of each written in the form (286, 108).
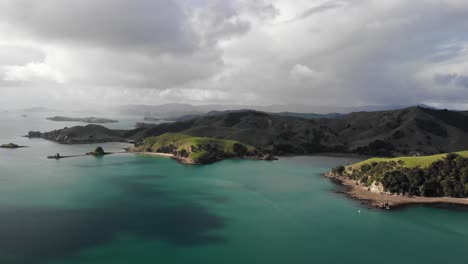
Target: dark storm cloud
(156, 24)
(123, 43)
(447, 79)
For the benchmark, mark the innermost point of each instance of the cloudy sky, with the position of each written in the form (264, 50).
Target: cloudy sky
(346, 52)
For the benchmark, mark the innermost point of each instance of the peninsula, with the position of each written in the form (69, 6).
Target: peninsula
(197, 150)
(382, 182)
(89, 120)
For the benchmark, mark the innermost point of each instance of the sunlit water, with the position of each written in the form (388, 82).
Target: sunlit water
(137, 209)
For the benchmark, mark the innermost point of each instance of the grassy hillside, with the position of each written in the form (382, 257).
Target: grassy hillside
(410, 162)
(197, 149)
(403, 132)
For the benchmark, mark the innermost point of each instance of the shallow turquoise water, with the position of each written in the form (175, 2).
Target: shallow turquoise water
(139, 209)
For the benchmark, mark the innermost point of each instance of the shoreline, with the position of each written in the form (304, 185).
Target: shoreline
(379, 200)
(165, 155)
(158, 154)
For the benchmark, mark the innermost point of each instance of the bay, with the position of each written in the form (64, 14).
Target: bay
(128, 208)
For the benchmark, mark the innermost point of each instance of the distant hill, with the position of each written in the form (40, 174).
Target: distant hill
(312, 115)
(90, 120)
(409, 131)
(82, 135)
(177, 110)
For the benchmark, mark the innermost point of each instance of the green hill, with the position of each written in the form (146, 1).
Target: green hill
(198, 150)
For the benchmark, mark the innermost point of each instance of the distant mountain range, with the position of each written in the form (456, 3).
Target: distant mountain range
(409, 131)
(177, 110)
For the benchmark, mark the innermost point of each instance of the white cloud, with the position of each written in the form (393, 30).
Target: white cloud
(300, 72)
(32, 72)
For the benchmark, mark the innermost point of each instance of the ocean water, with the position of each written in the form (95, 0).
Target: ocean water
(128, 208)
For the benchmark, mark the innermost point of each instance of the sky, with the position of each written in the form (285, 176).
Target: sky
(259, 52)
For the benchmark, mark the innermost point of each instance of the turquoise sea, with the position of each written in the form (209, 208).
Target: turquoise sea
(128, 208)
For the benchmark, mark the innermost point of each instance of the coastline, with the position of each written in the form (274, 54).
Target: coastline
(379, 200)
(166, 155)
(159, 154)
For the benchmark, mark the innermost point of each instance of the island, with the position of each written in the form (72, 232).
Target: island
(98, 152)
(90, 120)
(389, 182)
(11, 146)
(82, 135)
(198, 150)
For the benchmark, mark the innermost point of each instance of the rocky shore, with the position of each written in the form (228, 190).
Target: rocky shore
(374, 195)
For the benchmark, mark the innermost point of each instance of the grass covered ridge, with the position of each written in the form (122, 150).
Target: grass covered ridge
(410, 162)
(197, 149)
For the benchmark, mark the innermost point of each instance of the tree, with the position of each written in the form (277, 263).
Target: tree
(239, 149)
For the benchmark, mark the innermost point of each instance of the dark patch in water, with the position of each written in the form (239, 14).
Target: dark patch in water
(149, 177)
(445, 206)
(218, 199)
(251, 188)
(41, 234)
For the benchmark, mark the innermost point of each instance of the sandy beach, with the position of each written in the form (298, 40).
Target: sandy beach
(167, 155)
(159, 154)
(375, 199)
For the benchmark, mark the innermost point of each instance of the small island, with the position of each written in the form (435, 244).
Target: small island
(89, 120)
(11, 146)
(389, 182)
(197, 150)
(99, 151)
